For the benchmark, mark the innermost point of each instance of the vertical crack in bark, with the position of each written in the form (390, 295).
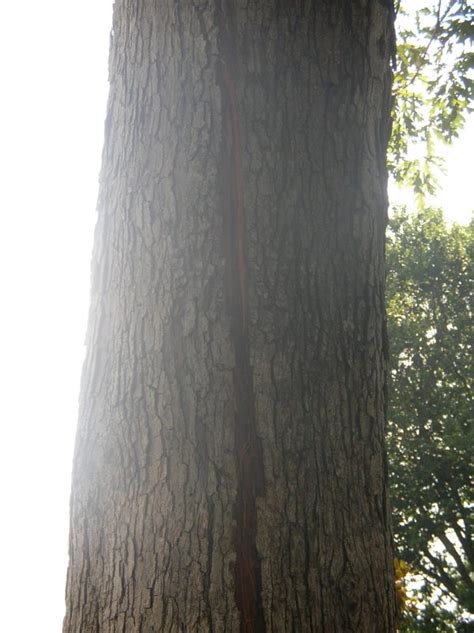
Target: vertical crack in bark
(247, 448)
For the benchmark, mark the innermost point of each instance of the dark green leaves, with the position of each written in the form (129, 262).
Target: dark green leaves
(430, 435)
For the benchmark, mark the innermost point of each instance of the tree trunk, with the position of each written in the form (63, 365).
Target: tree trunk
(229, 471)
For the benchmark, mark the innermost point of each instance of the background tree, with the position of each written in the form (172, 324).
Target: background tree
(229, 469)
(430, 438)
(433, 87)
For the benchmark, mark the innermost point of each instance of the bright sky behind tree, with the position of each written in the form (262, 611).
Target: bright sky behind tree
(54, 76)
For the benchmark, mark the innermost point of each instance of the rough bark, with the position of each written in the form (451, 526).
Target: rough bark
(229, 472)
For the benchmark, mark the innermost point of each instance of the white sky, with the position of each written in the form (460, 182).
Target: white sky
(53, 60)
(54, 77)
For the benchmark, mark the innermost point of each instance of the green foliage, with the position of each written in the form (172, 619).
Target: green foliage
(433, 619)
(430, 436)
(433, 86)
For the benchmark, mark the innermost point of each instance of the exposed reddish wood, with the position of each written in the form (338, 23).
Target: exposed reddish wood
(248, 457)
(237, 181)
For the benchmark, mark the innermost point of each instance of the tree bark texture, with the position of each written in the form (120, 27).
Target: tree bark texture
(229, 471)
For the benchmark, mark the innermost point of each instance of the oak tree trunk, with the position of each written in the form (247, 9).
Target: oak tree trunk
(229, 471)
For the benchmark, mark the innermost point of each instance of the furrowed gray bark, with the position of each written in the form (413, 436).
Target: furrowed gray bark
(229, 472)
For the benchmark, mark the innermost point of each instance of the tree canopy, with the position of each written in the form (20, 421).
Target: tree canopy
(430, 434)
(433, 87)
(430, 319)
